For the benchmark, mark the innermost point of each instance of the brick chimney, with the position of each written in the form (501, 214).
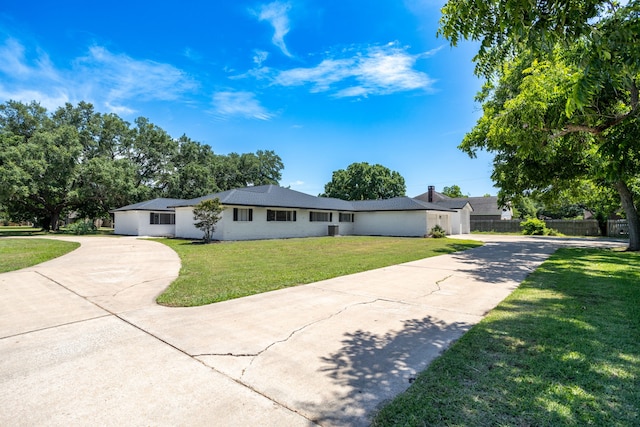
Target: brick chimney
(431, 190)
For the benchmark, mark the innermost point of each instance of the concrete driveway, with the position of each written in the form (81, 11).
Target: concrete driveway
(83, 342)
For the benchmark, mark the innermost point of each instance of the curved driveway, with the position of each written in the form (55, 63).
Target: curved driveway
(83, 342)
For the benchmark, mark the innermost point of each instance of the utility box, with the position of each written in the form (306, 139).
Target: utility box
(333, 230)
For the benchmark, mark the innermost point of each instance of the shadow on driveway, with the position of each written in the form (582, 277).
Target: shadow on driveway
(375, 368)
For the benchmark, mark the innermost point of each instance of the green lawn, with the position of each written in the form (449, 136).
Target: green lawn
(21, 253)
(562, 350)
(223, 271)
(16, 231)
(20, 231)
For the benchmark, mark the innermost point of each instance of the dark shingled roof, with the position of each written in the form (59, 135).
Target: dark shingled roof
(272, 196)
(151, 205)
(279, 197)
(395, 204)
(480, 205)
(485, 205)
(455, 203)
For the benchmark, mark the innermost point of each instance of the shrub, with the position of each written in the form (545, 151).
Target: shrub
(207, 214)
(534, 227)
(81, 228)
(438, 232)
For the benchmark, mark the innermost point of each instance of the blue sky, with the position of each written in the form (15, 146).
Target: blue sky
(323, 83)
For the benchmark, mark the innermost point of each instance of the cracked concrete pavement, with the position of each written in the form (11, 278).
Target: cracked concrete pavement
(82, 340)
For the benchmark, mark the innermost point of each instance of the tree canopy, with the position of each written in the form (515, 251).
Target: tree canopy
(454, 191)
(560, 103)
(362, 181)
(78, 160)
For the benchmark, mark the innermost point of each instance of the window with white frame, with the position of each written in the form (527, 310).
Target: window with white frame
(161, 218)
(320, 216)
(346, 217)
(241, 214)
(273, 215)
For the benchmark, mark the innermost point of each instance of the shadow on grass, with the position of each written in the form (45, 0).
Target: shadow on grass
(562, 350)
(498, 262)
(373, 368)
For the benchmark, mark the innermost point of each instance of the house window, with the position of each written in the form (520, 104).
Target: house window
(281, 215)
(320, 216)
(240, 214)
(346, 217)
(162, 218)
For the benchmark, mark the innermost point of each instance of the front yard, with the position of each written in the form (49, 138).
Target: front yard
(562, 350)
(22, 253)
(223, 271)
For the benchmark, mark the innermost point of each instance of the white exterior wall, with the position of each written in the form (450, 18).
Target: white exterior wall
(443, 219)
(259, 228)
(466, 221)
(126, 223)
(404, 223)
(136, 223)
(456, 222)
(185, 228)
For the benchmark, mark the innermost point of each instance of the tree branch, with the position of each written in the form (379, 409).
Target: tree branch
(634, 101)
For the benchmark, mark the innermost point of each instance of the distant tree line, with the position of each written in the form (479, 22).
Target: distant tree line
(78, 160)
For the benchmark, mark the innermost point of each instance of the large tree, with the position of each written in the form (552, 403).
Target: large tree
(561, 99)
(240, 170)
(78, 160)
(194, 167)
(454, 191)
(362, 181)
(38, 167)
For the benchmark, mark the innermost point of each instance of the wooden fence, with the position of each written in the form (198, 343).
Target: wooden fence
(587, 227)
(617, 227)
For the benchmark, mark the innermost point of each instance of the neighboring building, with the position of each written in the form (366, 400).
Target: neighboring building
(483, 207)
(271, 212)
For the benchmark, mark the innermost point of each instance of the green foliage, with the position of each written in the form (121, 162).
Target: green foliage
(240, 170)
(534, 227)
(437, 232)
(537, 227)
(207, 214)
(525, 207)
(561, 104)
(213, 273)
(561, 350)
(362, 181)
(81, 228)
(453, 191)
(78, 160)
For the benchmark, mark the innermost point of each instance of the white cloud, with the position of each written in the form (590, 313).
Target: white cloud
(101, 77)
(13, 59)
(378, 70)
(124, 78)
(276, 13)
(259, 56)
(239, 104)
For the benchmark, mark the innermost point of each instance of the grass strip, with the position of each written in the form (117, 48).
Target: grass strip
(21, 253)
(227, 270)
(562, 350)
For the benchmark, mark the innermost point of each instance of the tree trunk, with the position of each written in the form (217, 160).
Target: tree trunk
(55, 218)
(626, 197)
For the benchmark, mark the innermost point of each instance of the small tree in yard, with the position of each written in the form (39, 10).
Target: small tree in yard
(207, 214)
